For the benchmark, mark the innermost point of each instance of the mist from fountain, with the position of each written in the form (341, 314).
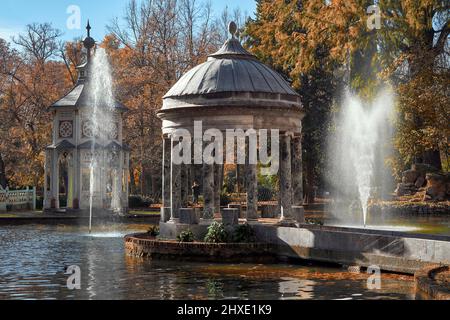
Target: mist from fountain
(357, 154)
(102, 121)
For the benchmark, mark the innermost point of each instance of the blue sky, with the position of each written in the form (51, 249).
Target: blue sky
(16, 14)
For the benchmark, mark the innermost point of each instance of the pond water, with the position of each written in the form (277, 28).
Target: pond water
(432, 224)
(33, 260)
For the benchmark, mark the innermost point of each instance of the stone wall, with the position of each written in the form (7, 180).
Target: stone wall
(147, 247)
(434, 281)
(391, 251)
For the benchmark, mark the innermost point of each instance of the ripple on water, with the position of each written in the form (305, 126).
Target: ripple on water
(105, 235)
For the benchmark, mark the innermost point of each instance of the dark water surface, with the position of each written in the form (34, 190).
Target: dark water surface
(33, 260)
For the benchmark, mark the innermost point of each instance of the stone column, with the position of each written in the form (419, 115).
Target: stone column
(127, 177)
(175, 185)
(184, 185)
(165, 193)
(190, 180)
(217, 186)
(286, 180)
(251, 185)
(297, 172)
(208, 191)
(54, 178)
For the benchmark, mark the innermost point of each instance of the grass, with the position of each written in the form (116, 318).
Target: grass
(441, 204)
(144, 213)
(19, 214)
(7, 216)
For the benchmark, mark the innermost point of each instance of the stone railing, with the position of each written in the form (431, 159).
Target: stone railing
(17, 199)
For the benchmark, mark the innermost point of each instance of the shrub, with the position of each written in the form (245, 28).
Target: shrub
(136, 202)
(62, 201)
(39, 203)
(146, 202)
(314, 221)
(153, 231)
(216, 233)
(244, 233)
(186, 236)
(265, 193)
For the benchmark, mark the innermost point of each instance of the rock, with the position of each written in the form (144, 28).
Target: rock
(447, 178)
(405, 189)
(410, 176)
(436, 187)
(420, 182)
(423, 168)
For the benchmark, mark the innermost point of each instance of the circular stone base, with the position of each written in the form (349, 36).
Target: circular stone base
(142, 245)
(434, 281)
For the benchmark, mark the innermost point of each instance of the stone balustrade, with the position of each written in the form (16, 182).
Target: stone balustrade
(17, 199)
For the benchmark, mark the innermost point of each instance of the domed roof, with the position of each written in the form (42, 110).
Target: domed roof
(232, 69)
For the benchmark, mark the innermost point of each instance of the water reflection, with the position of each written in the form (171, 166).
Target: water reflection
(34, 258)
(291, 288)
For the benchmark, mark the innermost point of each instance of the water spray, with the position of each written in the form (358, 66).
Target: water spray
(91, 195)
(360, 131)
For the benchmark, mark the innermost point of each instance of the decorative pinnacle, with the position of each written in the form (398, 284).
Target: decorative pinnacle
(89, 43)
(232, 27)
(88, 28)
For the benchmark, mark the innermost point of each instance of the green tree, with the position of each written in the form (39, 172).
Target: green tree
(279, 36)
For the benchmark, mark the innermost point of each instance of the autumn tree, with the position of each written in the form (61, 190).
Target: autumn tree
(31, 80)
(415, 52)
(331, 42)
(280, 36)
(409, 50)
(154, 44)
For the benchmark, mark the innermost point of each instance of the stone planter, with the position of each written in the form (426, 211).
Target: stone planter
(230, 217)
(239, 208)
(269, 211)
(188, 216)
(298, 213)
(143, 246)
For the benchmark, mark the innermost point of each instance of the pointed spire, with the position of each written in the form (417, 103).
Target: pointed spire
(88, 28)
(89, 43)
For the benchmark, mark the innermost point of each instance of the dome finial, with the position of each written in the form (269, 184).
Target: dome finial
(88, 28)
(232, 27)
(89, 43)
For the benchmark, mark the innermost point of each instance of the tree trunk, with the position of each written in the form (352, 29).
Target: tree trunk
(132, 182)
(3, 181)
(433, 158)
(310, 182)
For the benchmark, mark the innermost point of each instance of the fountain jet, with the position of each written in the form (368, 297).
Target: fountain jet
(358, 150)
